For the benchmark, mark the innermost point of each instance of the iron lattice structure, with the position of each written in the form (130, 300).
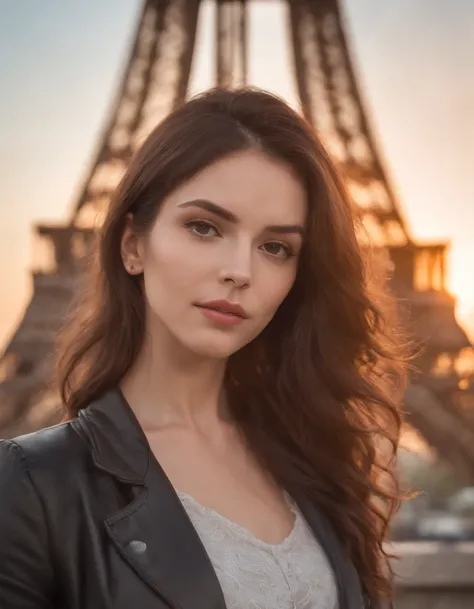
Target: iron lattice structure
(155, 80)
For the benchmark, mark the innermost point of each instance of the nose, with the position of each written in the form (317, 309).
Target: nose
(239, 280)
(237, 271)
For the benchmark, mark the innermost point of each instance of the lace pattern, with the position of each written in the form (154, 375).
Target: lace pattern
(253, 574)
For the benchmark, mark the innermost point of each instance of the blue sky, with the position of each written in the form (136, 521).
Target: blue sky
(60, 61)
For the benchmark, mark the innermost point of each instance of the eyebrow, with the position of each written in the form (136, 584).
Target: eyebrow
(228, 216)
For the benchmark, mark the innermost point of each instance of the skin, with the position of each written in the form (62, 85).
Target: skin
(191, 256)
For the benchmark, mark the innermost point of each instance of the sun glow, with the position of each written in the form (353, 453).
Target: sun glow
(461, 285)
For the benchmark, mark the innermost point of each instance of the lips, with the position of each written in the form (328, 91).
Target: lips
(226, 307)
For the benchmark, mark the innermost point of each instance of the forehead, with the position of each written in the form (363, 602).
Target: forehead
(252, 185)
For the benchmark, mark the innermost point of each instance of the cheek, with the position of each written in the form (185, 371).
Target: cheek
(173, 271)
(166, 271)
(275, 289)
(167, 258)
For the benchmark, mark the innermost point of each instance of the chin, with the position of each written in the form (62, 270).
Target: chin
(214, 347)
(212, 351)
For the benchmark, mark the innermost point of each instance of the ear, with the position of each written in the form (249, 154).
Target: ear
(131, 248)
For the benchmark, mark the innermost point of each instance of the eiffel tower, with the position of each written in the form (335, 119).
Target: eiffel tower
(155, 80)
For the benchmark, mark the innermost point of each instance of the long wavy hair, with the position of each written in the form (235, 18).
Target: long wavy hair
(317, 393)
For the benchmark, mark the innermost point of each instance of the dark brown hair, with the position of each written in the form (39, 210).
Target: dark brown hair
(317, 393)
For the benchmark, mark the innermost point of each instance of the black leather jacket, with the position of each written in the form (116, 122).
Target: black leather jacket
(88, 520)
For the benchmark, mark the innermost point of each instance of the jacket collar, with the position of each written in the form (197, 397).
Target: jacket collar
(153, 533)
(119, 445)
(174, 553)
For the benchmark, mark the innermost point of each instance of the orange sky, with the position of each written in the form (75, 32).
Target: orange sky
(59, 66)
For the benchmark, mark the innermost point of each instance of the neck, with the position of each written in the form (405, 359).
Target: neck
(170, 386)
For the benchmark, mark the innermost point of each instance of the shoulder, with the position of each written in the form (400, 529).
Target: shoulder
(34, 473)
(50, 453)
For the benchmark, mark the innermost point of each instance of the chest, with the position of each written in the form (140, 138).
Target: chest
(195, 560)
(227, 479)
(126, 543)
(253, 573)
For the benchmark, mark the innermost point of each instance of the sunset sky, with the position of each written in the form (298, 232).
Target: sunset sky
(60, 62)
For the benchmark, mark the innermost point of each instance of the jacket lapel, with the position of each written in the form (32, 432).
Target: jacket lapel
(347, 579)
(152, 533)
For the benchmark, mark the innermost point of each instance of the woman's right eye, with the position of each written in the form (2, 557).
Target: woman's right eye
(201, 228)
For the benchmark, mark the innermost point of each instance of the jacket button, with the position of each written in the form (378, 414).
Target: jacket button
(137, 547)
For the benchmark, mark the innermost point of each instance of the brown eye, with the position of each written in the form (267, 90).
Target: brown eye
(201, 228)
(279, 250)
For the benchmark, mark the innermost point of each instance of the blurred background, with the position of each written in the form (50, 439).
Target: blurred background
(390, 88)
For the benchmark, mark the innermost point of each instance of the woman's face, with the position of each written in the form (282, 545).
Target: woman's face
(230, 236)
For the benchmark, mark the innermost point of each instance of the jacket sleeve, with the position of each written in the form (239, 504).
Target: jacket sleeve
(26, 580)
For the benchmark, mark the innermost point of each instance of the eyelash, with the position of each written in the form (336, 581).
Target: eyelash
(193, 223)
(203, 223)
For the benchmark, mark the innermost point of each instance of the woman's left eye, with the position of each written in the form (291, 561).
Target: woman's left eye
(279, 250)
(201, 228)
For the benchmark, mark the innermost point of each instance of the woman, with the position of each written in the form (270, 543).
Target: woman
(225, 378)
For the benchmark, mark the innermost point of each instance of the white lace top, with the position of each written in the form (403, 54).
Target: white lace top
(257, 575)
